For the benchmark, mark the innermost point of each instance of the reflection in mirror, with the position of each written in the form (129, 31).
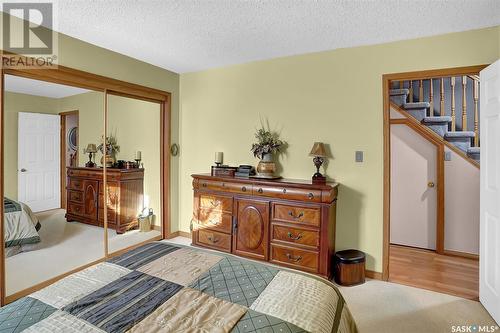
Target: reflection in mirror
(133, 171)
(50, 225)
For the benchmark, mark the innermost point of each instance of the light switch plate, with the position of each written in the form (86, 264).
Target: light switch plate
(359, 156)
(447, 155)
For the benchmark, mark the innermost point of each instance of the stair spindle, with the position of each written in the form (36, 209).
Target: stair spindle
(464, 103)
(431, 98)
(441, 97)
(420, 91)
(453, 116)
(411, 91)
(476, 113)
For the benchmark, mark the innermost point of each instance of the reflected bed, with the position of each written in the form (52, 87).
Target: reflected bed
(21, 228)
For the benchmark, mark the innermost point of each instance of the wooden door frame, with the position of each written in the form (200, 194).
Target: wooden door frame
(77, 78)
(63, 152)
(386, 80)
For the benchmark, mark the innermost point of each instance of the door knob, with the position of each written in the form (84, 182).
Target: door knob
(430, 184)
(23, 170)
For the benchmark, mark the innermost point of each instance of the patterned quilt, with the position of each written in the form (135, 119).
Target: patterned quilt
(161, 287)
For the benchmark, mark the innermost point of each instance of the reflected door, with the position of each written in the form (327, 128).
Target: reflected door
(38, 160)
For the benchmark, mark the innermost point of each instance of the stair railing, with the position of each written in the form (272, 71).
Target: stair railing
(448, 95)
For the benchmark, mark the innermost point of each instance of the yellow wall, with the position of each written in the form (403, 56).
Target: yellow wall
(334, 97)
(13, 104)
(136, 125)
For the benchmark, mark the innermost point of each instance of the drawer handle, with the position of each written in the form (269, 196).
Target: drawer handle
(204, 184)
(284, 190)
(244, 189)
(212, 240)
(292, 258)
(215, 203)
(292, 214)
(260, 190)
(291, 236)
(310, 195)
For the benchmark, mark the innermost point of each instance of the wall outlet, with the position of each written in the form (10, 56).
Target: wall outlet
(359, 156)
(447, 155)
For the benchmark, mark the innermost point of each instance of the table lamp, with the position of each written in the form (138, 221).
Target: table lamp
(91, 150)
(319, 153)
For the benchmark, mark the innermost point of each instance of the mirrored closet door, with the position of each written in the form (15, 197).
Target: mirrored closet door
(52, 222)
(133, 172)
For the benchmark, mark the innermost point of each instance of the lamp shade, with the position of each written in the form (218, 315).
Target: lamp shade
(91, 148)
(318, 150)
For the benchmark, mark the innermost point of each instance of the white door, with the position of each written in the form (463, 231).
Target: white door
(39, 161)
(413, 213)
(489, 234)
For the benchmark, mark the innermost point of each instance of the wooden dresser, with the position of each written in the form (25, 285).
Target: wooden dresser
(85, 196)
(285, 222)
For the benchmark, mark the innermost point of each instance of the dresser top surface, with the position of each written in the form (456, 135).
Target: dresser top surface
(99, 169)
(303, 183)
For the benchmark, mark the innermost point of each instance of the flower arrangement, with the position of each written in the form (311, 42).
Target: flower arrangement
(112, 146)
(268, 142)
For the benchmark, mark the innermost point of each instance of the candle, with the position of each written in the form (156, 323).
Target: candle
(218, 157)
(138, 155)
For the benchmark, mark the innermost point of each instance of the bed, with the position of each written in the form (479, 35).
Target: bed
(163, 287)
(21, 227)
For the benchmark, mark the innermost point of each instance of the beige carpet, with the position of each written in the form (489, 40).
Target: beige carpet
(384, 307)
(63, 247)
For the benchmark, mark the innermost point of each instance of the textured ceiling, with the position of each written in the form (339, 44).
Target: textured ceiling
(192, 35)
(40, 88)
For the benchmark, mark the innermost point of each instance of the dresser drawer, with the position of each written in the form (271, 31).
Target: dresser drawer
(215, 239)
(215, 220)
(75, 184)
(75, 196)
(288, 193)
(297, 214)
(111, 216)
(216, 203)
(294, 257)
(76, 209)
(295, 235)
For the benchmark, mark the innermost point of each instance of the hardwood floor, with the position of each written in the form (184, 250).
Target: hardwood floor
(428, 270)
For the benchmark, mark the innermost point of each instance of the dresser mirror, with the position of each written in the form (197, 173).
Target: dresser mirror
(51, 223)
(133, 172)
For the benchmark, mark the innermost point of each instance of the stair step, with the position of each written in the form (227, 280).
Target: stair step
(462, 140)
(474, 153)
(417, 110)
(437, 124)
(399, 96)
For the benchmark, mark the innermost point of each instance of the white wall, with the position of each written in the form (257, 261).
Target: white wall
(461, 205)
(413, 203)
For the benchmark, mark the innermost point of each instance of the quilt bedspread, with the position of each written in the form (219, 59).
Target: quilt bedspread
(162, 287)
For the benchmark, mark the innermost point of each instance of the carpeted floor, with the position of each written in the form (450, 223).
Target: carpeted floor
(63, 247)
(384, 307)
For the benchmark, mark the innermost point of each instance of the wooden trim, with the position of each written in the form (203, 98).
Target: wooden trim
(105, 177)
(373, 275)
(461, 254)
(63, 153)
(165, 133)
(386, 104)
(179, 234)
(41, 285)
(429, 132)
(435, 73)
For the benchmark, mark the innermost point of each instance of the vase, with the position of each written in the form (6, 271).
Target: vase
(110, 160)
(266, 167)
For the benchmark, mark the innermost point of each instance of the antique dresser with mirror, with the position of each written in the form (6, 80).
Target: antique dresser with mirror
(85, 196)
(286, 222)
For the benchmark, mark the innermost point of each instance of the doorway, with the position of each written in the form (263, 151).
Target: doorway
(431, 208)
(69, 147)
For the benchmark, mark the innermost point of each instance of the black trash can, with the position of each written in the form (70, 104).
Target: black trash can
(350, 267)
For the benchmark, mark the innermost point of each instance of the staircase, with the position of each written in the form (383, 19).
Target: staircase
(442, 119)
